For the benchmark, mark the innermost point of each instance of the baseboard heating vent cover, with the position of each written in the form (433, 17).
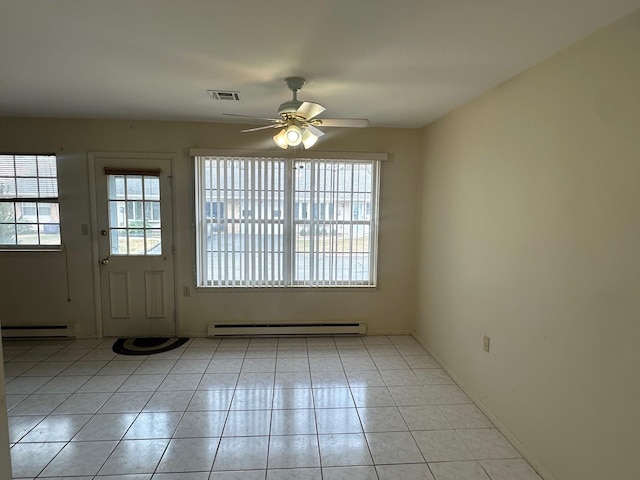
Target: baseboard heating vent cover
(223, 329)
(65, 331)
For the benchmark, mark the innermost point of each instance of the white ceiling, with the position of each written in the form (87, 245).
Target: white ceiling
(401, 63)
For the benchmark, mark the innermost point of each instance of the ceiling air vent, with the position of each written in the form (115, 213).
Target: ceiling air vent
(224, 95)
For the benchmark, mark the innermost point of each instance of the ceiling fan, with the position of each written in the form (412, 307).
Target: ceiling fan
(298, 122)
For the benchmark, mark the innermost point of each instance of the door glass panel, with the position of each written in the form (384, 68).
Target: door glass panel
(134, 215)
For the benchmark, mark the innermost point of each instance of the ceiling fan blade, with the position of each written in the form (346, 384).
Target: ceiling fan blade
(316, 131)
(342, 122)
(251, 116)
(309, 110)
(275, 125)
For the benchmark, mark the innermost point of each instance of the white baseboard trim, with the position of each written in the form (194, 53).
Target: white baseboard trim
(533, 461)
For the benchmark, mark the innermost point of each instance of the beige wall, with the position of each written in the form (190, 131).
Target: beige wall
(530, 233)
(33, 285)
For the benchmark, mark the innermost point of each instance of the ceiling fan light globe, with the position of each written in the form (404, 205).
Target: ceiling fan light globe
(308, 139)
(281, 139)
(294, 135)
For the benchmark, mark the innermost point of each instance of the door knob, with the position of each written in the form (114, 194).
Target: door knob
(104, 261)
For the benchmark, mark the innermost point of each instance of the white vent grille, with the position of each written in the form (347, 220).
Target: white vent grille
(221, 329)
(228, 95)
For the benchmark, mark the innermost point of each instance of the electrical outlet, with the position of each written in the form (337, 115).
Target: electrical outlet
(486, 344)
(186, 291)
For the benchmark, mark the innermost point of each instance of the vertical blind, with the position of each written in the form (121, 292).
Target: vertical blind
(272, 222)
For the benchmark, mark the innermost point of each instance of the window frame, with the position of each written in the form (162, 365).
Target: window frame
(287, 218)
(38, 202)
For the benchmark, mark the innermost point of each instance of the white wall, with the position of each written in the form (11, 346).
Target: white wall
(531, 234)
(33, 285)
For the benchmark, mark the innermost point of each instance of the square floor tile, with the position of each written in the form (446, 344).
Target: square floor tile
(150, 425)
(349, 473)
(457, 470)
(258, 399)
(155, 367)
(332, 398)
(201, 424)
(26, 385)
(425, 417)
(465, 416)
(239, 475)
(382, 419)
(293, 422)
(118, 367)
(134, 456)
(189, 455)
(190, 366)
(57, 428)
(242, 453)
(487, 444)
(169, 401)
(253, 380)
(85, 367)
(292, 398)
(367, 378)
(180, 381)
(293, 451)
(259, 365)
(142, 383)
(218, 381)
(509, 470)
(442, 446)
(372, 397)
(29, 459)
(82, 403)
(241, 423)
(79, 458)
(108, 426)
(103, 383)
(292, 380)
(338, 420)
(39, 404)
(20, 426)
(294, 474)
(417, 471)
(292, 364)
(225, 365)
(210, 400)
(126, 402)
(344, 450)
(393, 447)
(69, 384)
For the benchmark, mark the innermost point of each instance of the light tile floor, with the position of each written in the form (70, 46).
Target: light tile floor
(357, 408)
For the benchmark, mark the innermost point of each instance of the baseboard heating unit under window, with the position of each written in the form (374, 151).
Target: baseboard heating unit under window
(64, 331)
(222, 329)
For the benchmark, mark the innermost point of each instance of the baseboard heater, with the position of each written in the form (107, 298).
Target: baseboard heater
(64, 331)
(229, 329)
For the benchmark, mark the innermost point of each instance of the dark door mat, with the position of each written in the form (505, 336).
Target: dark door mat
(147, 346)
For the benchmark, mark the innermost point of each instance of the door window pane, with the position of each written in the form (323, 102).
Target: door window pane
(134, 214)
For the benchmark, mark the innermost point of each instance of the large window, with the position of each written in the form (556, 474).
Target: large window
(271, 222)
(29, 213)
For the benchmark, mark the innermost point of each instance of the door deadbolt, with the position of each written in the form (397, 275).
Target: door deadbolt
(103, 233)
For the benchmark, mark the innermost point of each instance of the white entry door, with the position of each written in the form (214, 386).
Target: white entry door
(135, 244)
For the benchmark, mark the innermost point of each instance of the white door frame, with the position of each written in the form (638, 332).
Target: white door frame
(5, 454)
(95, 252)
